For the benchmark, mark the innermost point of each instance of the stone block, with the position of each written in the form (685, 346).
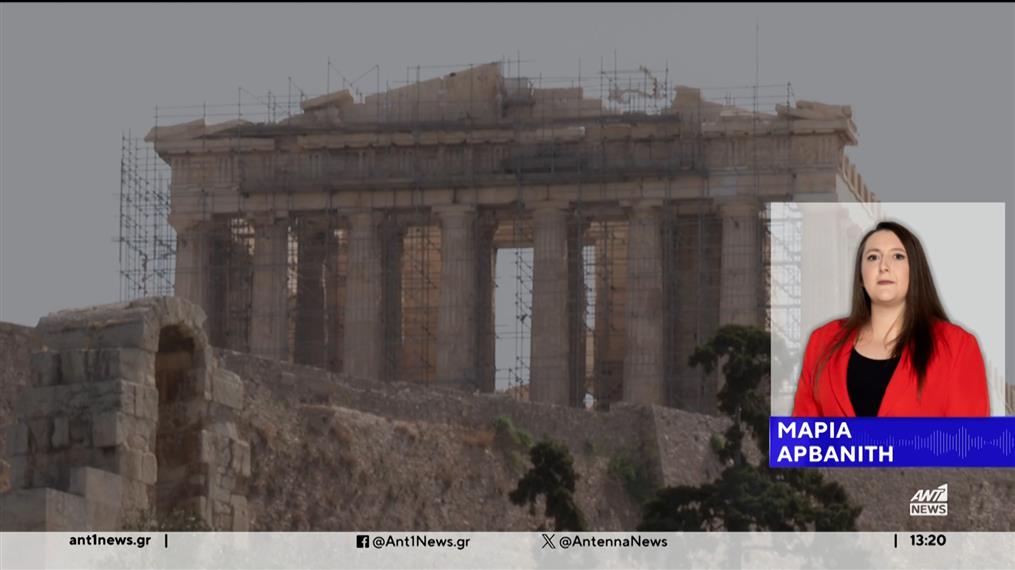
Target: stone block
(137, 442)
(67, 338)
(228, 483)
(108, 430)
(149, 468)
(225, 429)
(19, 471)
(140, 426)
(78, 455)
(81, 430)
(78, 365)
(17, 438)
(241, 518)
(51, 470)
(41, 510)
(41, 433)
(46, 368)
(61, 433)
(39, 401)
(206, 447)
(132, 333)
(241, 458)
(227, 389)
(146, 402)
(219, 494)
(130, 464)
(135, 496)
(112, 395)
(222, 514)
(223, 450)
(103, 516)
(131, 364)
(97, 365)
(96, 485)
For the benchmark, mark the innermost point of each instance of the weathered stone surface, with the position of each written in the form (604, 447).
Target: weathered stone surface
(40, 432)
(17, 439)
(46, 368)
(96, 485)
(70, 399)
(19, 471)
(61, 433)
(103, 516)
(129, 464)
(81, 430)
(133, 334)
(108, 430)
(206, 447)
(42, 510)
(241, 518)
(146, 402)
(219, 493)
(227, 389)
(88, 423)
(225, 430)
(135, 496)
(95, 365)
(222, 513)
(134, 324)
(241, 458)
(149, 468)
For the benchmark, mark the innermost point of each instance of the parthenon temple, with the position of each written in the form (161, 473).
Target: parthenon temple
(362, 234)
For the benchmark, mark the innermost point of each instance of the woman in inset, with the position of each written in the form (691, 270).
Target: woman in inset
(896, 354)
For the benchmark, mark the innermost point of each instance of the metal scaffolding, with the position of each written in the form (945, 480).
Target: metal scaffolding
(569, 123)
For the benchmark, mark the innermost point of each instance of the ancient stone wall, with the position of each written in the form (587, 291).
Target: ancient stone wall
(251, 438)
(128, 415)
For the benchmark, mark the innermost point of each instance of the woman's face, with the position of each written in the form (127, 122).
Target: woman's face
(885, 268)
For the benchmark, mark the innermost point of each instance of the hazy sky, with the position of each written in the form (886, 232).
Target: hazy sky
(932, 90)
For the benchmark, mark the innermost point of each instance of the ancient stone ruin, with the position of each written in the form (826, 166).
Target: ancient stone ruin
(335, 281)
(128, 414)
(362, 237)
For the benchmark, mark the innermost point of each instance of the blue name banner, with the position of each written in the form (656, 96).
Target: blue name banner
(892, 442)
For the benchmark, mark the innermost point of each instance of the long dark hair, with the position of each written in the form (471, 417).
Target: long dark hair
(923, 307)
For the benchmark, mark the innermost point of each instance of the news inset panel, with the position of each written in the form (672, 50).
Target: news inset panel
(888, 337)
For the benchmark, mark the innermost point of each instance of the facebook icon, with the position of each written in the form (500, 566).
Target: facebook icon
(362, 541)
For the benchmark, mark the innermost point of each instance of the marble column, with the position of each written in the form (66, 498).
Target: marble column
(486, 262)
(392, 245)
(549, 375)
(611, 293)
(457, 346)
(192, 279)
(364, 327)
(644, 359)
(335, 271)
(309, 343)
(740, 295)
(269, 319)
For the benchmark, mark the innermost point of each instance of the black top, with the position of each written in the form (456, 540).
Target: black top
(866, 380)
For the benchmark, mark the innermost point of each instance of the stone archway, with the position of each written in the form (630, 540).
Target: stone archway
(175, 379)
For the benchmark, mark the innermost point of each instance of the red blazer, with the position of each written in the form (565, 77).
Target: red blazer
(955, 384)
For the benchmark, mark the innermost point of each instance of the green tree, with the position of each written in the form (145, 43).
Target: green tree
(747, 496)
(552, 475)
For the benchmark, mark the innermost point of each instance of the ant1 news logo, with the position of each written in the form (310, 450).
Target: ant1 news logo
(930, 502)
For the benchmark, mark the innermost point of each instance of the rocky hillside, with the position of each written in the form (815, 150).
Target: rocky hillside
(329, 453)
(336, 453)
